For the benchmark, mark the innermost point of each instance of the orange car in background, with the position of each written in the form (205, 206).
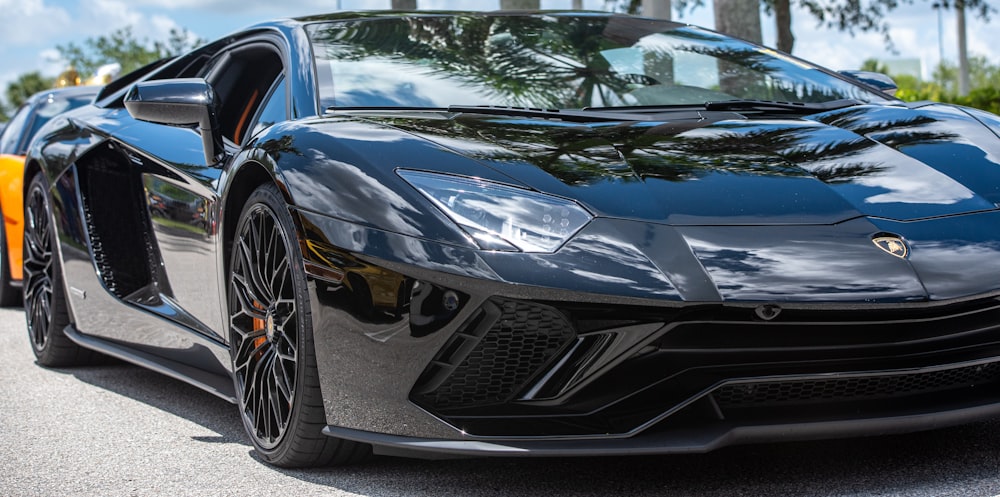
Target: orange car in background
(14, 140)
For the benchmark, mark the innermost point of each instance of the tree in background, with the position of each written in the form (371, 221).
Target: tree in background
(659, 9)
(520, 4)
(845, 15)
(738, 18)
(404, 4)
(984, 90)
(123, 47)
(23, 87)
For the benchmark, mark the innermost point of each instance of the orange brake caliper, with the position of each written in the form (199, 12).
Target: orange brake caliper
(259, 324)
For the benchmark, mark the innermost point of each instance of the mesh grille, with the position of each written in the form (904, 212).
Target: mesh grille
(520, 338)
(856, 388)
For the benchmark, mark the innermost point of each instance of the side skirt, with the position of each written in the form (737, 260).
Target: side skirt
(220, 386)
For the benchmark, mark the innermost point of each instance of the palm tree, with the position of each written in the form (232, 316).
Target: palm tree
(738, 18)
(404, 4)
(963, 51)
(520, 4)
(659, 9)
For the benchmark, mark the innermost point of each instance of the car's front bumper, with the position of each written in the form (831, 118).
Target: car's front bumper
(443, 356)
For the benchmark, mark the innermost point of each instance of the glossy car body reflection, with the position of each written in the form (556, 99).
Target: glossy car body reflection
(691, 273)
(14, 140)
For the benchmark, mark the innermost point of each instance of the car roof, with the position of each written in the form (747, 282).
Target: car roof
(63, 93)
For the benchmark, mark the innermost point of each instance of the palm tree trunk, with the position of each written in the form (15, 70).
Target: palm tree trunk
(739, 18)
(520, 4)
(404, 4)
(659, 9)
(783, 23)
(963, 50)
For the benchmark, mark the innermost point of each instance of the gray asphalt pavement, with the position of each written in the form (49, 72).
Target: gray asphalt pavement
(119, 430)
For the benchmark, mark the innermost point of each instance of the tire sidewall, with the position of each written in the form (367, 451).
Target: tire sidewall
(268, 197)
(43, 353)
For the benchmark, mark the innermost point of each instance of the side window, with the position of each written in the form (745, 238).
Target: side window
(241, 79)
(12, 133)
(275, 110)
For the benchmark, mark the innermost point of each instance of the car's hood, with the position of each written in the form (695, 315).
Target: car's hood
(722, 168)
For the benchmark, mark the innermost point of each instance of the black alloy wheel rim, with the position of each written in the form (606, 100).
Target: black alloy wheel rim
(38, 268)
(263, 325)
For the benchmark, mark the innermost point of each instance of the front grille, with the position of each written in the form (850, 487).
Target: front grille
(493, 376)
(832, 390)
(495, 353)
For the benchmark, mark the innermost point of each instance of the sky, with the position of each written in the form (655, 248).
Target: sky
(32, 29)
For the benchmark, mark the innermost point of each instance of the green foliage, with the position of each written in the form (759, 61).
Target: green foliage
(986, 98)
(123, 47)
(23, 87)
(844, 15)
(874, 65)
(985, 93)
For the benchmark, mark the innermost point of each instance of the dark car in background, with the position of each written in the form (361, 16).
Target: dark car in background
(499, 234)
(14, 139)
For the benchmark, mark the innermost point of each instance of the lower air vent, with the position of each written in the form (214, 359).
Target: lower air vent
(493, 355)
(832, 390)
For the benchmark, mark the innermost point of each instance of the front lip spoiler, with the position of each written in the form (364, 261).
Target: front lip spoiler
(670, 442)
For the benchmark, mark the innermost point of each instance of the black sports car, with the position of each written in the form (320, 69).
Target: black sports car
(441, 234)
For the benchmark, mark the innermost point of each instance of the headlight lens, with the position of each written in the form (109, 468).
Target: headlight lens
(501, 217)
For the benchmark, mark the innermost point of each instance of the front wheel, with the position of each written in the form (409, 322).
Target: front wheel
(44, 297)
(271, 342)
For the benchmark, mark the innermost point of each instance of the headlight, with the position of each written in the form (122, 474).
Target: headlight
(501, 217)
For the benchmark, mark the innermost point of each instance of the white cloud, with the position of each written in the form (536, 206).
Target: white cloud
(98, 17)
(33, 29)
(161, 26)
(25, 21)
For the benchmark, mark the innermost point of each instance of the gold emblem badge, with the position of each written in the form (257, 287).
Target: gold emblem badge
(269, 326)
(893, 245)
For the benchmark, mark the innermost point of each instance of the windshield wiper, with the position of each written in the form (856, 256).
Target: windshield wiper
(572, 115)
(384, 108)
(791, 107)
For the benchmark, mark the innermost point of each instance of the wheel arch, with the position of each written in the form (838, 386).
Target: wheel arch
(31, 168)
(248, 177)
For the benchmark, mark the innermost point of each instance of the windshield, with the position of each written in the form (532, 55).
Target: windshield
(554, 62)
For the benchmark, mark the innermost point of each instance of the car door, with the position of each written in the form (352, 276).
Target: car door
(156, 240)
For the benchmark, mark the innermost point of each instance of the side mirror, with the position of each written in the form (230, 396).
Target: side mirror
(188, 102)
(880, 81)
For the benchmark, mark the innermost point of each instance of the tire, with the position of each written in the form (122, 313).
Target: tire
(44, 295)
(9, 296)
(271, 342)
